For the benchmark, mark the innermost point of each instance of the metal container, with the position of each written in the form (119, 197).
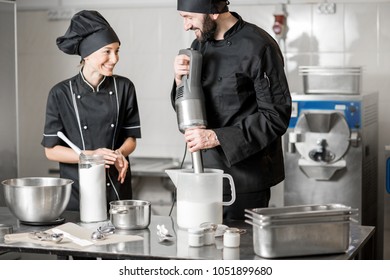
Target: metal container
(37, 199)
(331, 80)
(289, 221)
(300, 230)
(276, 241)
(130, 214)
(301, 212)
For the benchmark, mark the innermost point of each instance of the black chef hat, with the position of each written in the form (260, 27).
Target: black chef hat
(88, 32)
(203, 6)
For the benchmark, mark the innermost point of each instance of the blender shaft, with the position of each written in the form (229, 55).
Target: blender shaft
(197, 162)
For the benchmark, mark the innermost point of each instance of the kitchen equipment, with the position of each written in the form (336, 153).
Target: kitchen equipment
(209, 230)
(297, 213)
(102, 232)
(300, 230)
(45, 236)
(189, 102)
(37, 200)
(331, 80)
(130, 214)
(92, 184)
(231, 238)
(331, 152)
(92, 180)
(200, 196)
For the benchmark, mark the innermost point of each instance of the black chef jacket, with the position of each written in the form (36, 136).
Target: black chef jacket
(248, 105)
(93, 119)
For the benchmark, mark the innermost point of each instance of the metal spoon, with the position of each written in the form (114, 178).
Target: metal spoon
(97, 235)
(44, 236)
(102, 232)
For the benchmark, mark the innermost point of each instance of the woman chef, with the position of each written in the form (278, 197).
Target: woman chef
(95, 109)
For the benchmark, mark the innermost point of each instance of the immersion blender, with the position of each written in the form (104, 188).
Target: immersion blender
(189, 102)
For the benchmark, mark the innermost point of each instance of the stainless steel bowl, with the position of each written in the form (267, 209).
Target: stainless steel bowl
(37, 199)
(130, 214)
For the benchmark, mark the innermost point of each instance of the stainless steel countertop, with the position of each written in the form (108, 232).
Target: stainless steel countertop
(151, 248)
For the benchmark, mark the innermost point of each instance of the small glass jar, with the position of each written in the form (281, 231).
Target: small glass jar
(209, 236)
(195, 237)
(209, 233)
(231, 237)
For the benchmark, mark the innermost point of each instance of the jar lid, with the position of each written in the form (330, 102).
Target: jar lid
(209, 226)
(232, 230)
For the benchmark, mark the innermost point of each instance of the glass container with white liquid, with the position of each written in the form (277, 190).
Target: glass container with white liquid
(92, 178)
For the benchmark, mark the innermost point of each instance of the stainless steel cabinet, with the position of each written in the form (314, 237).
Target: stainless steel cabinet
(8, 94)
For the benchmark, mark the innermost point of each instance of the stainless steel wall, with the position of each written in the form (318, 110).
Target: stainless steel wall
(8, 94)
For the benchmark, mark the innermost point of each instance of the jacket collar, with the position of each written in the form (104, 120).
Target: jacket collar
(88, 86)
(236, 27)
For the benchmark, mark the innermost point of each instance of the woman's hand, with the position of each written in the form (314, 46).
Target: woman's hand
(110, 157)
(115, 158)
(122, 166)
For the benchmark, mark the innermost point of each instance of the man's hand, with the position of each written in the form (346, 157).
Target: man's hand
(181, 67)
(200, 138)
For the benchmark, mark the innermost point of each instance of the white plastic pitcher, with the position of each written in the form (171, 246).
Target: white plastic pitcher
(200, 196)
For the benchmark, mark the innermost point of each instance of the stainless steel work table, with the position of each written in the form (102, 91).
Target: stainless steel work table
(150, 248)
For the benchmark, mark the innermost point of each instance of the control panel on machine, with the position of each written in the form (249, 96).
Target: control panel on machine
(350, 109)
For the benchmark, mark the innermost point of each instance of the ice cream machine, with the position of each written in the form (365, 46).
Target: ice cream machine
(331, 152)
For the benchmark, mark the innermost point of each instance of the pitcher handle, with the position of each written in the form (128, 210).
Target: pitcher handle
(232, 188)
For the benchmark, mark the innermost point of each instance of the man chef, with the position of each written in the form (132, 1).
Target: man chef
(247, 100)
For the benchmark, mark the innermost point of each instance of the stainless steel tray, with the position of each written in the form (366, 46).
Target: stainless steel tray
(277, 241)
(331, 80)
(306, 220)
(300, 211)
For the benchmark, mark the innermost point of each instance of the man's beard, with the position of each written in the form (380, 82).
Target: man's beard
(208, 30)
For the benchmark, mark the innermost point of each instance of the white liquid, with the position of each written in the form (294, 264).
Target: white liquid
(93, 204)
(192, 214)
